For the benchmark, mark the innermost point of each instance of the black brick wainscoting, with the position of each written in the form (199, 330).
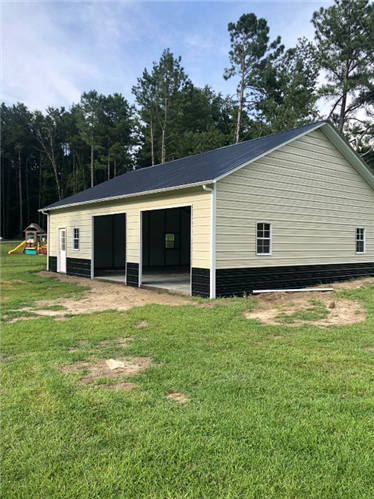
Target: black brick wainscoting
(231, 282)
(78, 267)
(200, 282)
(132, 272)
(52, 264)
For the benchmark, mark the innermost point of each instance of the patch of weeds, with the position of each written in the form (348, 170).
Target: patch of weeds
(105, 381)
(17, 314)
(54, 308)
(283, 318)
(316, 312)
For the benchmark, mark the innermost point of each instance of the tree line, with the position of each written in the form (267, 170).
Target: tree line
(51, 155)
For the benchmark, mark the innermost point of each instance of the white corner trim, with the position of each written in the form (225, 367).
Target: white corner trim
(48, 240)
(213, 211)
(92, 246)
(140, 268)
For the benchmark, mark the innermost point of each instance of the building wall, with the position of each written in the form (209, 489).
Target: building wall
(81, 217)
(314, 200)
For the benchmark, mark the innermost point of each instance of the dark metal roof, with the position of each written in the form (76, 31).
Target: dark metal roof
(196, 169)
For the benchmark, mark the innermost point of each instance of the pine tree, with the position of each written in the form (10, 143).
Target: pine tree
(250, 53)
(344, 35)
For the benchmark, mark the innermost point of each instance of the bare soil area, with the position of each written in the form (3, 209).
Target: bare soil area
(102, 296)
(177, 397)
(318, 308)
(111, 378)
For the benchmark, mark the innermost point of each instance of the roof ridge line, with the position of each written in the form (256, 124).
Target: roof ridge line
(227, 146)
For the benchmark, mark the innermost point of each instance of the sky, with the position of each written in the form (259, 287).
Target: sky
(52, 51)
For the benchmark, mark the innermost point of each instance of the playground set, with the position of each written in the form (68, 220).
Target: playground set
(35, 242)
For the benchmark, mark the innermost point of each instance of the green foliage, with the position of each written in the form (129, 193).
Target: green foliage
(251, 55)
(288, 89)
(176, 118)
(49, 155)
(345, 40)
(45, 157)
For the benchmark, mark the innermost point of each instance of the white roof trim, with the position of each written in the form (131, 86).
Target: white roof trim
(113, 198)
(268, 152)
(336, 139)
(329, 131)
(350, 154)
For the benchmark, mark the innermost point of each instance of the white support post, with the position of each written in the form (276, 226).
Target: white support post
(212, 238)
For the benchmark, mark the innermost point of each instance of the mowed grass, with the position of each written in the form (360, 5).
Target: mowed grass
(21, 286)
(273, 411)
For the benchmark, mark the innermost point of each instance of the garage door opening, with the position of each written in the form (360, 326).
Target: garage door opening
(109, 252)
(166, 249)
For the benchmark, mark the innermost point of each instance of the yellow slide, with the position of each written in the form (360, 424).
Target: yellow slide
(17, 248)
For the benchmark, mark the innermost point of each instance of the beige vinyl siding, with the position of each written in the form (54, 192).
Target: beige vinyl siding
(314, 199)
(81, 217)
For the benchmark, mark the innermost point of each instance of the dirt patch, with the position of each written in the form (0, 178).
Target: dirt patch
(119, 386)
(4, 357)
(141, 324)
(355, 284)
(318, 308)
(122, 342)
(9, 284)
(16, 319)
(177, 396)
(105, 296)
(98, 368)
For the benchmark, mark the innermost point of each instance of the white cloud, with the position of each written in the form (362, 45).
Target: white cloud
(51, 53)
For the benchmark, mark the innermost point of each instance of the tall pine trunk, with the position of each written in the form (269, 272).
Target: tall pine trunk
(3, 199)
(163, 149)
(344, 99)
(40, 188)
(20, 191)
(115, 168)
(152, 142)
(241, 99)
(7, 203)
(74, 173)
(108, 160)
(92, 163)
(163, 145)
(27, 193)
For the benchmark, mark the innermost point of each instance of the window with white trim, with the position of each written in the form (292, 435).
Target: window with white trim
(76, 239)
(263, 246)
(360, 240)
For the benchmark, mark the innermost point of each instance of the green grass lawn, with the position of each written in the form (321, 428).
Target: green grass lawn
(273, 411)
